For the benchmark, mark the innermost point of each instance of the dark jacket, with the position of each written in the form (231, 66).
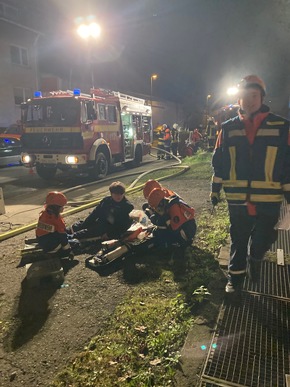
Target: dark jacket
(257, 173)
(113, 216)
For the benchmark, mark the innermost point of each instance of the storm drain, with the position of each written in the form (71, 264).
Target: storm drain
(275, 281)
(251, 343)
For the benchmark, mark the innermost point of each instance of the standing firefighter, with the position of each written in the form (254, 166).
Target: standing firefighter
(167, 141)
(174, 139)
(160, 143)
(251, 162)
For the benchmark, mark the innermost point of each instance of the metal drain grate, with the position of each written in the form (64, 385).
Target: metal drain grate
(275, 281)
(283, 241)
(251, 346)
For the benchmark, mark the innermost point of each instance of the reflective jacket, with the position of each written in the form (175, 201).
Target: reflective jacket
(167, 137)
(178, 212)
(257, 173)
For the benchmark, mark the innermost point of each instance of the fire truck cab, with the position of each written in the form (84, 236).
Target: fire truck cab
(69, 130)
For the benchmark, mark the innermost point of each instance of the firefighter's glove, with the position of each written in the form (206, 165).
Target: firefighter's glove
(215, 198)
(284, 221)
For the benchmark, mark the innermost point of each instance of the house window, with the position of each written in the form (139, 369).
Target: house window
(9, 12)
(19, 55)
(21, 95)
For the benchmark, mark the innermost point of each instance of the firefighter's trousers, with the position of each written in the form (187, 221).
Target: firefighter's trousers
(251, 236)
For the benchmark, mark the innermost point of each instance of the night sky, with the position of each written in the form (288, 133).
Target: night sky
(197, 47)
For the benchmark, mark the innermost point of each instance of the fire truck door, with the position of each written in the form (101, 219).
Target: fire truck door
(128, 130)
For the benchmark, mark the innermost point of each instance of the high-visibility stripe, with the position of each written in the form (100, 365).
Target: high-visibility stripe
(254, 197)
(216, 179)
(232, 151)
(275, 123)
(271, 154)
(236, 196)
(266, 198)
(286, 187)
(237, 272)
(266, 184)
(268, 132)
(237, 133)
(235, 183)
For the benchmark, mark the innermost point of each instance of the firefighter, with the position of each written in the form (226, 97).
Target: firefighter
(51, 231)
(149, 211)
(167, 141)
(251, 161)
(109, 220)
(178, 216)
(160, 143)
(174, 139)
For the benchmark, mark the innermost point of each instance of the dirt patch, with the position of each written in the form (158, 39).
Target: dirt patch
(43, 328)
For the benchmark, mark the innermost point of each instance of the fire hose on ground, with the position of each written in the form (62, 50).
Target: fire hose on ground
(133, 187)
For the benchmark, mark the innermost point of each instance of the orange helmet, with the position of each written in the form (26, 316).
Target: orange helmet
(252, 80)
(155, 197)
(149, 186)
(55, 198)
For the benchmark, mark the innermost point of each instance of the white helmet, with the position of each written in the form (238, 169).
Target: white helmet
(175, 126)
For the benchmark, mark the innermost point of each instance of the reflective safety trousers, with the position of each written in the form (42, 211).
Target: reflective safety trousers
(257, 173)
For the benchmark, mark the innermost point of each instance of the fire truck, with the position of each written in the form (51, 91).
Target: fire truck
(69, 130)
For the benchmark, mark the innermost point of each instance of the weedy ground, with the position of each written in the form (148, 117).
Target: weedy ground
(142, 340)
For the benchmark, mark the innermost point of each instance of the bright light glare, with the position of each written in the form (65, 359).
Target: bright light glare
(91, 30)
(232, 91)
(71, 159)
(26, 159)
(154, 76)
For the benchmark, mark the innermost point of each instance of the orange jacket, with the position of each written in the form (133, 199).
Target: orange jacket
(48, 223)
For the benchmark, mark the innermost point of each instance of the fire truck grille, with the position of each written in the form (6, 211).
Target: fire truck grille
(251, 343)
(52, 141)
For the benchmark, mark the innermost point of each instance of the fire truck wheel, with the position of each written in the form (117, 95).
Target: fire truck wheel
(44, 172)
(101, 166)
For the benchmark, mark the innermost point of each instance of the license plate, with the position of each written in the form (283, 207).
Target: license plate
(47, 161)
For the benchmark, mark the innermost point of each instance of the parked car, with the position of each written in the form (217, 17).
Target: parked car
(10, 147)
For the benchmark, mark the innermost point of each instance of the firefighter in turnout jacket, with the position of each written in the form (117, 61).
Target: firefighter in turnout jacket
(167, 141)
(51, 231)
(180, 226)
(251, 161)
(160, 143)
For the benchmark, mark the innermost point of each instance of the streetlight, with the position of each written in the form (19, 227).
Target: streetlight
(86, 32)
(232, 90)
(207, 107)
(153, 76)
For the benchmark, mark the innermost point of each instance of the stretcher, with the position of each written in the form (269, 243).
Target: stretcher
(115, 251)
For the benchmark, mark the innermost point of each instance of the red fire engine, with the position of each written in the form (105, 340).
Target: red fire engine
(70, 130)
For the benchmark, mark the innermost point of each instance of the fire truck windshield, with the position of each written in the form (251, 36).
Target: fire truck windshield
(57, 112)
